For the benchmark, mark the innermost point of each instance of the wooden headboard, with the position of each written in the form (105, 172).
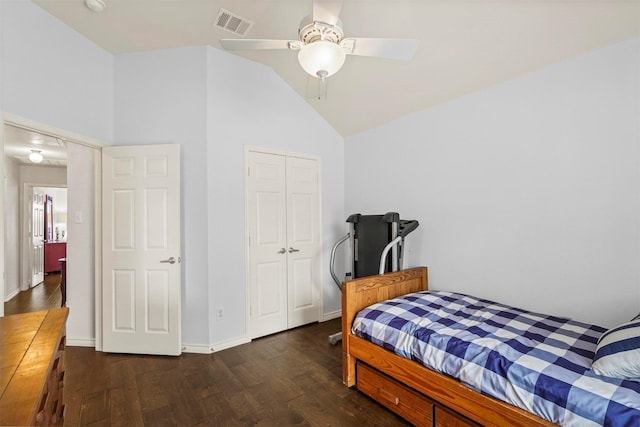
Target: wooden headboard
(361, 293)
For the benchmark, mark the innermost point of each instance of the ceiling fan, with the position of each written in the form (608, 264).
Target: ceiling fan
(321, 45)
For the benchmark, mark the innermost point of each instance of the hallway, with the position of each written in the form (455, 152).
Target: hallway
(44, 296)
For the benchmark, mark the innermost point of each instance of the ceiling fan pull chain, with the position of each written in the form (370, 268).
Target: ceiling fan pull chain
(322, 85)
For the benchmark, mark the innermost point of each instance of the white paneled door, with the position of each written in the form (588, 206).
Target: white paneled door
(37, 238)
(141, 249)
(303, 242)
(284, 242)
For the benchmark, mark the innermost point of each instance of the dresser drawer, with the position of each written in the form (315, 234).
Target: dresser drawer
(399, 398)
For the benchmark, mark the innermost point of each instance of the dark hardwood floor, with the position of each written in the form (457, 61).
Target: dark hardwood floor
(293, 378)
(44, 296)
(287, 379)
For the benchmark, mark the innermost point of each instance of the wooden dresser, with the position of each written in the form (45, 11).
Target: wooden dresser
(32, 368)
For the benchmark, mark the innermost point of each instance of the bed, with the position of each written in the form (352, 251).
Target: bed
(392, 375)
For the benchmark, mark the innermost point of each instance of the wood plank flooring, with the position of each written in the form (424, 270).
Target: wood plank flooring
(44, 296)
(293, 378)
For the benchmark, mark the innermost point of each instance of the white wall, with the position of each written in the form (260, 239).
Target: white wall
(160, 97)
(11, 227)
(80, 245)
(250, 105)
(52, 74)
(213, 104)
(59, 196)
(49, 175)
(527, 192)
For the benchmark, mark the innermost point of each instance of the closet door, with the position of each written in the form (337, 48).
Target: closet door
(267, 240)
(302, 241)
(284, 242)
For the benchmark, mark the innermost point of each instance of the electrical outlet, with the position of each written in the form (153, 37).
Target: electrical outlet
(220, 313)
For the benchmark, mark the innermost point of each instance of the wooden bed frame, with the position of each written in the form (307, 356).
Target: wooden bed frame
(418, 394)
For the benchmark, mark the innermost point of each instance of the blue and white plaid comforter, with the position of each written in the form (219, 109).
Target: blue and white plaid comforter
(536, 362)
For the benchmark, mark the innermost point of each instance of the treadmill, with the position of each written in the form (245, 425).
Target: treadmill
(371, 238)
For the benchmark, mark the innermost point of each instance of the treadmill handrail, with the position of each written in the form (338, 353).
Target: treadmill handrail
(333, 259)
(385, 252)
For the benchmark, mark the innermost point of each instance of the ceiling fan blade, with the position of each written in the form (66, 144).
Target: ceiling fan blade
(402, 49)
(240, 44)
(327, 11)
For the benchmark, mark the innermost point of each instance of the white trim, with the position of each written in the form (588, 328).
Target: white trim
(32, 125)
(223, 345)
(97, 180)
(320, 240)
(264, 150)
(197, 348)
(186, 348)
(331, 316)
(247, 257)
(76, 342)
(8, 298)
(212, 348)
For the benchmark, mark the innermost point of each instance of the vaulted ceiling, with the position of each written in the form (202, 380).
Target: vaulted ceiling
(465, 45)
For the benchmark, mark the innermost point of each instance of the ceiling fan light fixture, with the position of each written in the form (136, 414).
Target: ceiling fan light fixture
(321, 58)
(35, 156)
(96, 6)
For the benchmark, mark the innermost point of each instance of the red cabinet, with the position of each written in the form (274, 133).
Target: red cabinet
(53, 251)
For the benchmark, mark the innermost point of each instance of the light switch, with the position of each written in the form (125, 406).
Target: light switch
(78, 217)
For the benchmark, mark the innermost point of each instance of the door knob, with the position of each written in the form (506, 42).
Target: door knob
(282, 250)
(171, 260)
(293, 250)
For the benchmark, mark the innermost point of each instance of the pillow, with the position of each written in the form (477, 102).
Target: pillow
(618, 352)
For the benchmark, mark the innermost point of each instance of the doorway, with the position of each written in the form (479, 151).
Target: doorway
(29, 182)
(48, 230)
(44, 241)
(83, 155)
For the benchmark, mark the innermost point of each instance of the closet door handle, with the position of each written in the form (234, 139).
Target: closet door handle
(282, 250)
(293, 250)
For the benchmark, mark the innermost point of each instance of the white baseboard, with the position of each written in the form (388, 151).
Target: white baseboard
(331, 316)
(223, 345)
(186, 348)
(197, 348)
(88, 342)
(11, 295)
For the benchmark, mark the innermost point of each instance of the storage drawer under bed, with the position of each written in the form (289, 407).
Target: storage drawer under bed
(397, 397)
(406, 402)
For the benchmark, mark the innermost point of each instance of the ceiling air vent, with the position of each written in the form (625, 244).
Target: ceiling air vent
(233, 23)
